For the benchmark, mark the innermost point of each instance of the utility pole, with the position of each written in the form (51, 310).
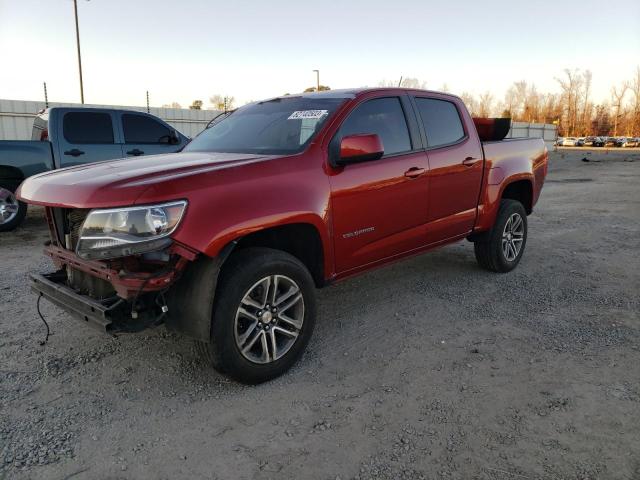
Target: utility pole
(75, 10)
(46, 98)
(317, 80)
(147, 101)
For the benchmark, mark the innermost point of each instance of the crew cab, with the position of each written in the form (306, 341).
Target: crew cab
(226, 241)
(63, 137)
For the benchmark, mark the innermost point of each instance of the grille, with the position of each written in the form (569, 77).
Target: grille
(75, 218)
(68, 222)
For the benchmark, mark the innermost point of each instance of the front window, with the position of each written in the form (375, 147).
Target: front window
(281, 126)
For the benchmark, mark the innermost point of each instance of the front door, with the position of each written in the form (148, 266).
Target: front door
(144, 135)
(456, 164)
(380, 206)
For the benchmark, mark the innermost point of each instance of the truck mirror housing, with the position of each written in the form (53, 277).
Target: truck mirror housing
(360, 148)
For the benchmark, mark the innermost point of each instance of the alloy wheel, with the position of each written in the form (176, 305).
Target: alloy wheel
(513, 237)
(269, 319)
(8, 206)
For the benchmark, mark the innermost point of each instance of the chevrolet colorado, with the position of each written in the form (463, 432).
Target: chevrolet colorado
(226, 241)
(62, 137)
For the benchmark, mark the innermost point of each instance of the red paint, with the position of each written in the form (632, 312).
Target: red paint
(366, 214)
(359, 146)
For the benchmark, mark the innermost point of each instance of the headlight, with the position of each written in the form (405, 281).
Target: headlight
(120, 232)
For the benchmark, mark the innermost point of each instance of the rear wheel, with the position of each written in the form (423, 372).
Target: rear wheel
(12, 211)
(501, 249)
(263, 315)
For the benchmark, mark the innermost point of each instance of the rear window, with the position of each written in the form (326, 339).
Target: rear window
(87, 127)
(441, 121)
(142, 129)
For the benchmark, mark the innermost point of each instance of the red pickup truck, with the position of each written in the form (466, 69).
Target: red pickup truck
(227, 240)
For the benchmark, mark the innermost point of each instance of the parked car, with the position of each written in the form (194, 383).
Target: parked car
(626, 142)
(569, 142)
(64, 137)
(599, 142)
(559, 141)
(588, 141)
(580, 142)
(225, 241)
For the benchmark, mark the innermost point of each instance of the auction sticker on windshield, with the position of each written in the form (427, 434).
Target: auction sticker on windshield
(310, 114)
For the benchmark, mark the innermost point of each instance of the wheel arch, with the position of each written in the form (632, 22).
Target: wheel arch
(299, 239)
(11, 176)
(520, 190)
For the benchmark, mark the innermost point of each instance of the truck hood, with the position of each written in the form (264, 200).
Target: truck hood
(122, 182)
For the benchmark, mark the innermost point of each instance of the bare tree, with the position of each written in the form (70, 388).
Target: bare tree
(617, 94)
(224, 103)
(571, 87)
(586, 106)
(321, 88)
(485, 105)
(196, 105)
(407, 82)
(471, 103)
(172, 105)
(635, 89)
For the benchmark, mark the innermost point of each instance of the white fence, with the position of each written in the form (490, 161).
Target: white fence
(16, 117)
(546, 131)
(16, 120)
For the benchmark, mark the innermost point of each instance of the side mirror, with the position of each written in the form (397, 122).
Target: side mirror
(360, 148)
(172, 138)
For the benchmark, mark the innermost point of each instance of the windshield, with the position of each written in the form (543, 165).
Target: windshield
(274, 127)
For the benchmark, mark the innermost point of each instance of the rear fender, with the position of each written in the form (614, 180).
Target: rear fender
(492, 195)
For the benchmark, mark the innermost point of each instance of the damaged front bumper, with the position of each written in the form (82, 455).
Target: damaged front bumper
(181, 297)
(109, 316)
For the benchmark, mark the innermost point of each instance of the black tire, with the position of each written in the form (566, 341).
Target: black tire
(18, 218)
(239, 274)
(489, 248)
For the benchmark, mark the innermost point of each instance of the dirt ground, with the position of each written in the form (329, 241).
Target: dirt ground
(430, 368)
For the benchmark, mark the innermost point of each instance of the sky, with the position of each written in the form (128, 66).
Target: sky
(192, 49)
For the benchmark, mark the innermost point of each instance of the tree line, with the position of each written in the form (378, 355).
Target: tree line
(572, 108)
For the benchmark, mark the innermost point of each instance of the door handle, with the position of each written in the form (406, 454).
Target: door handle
(414, 172)
(470, 161)
(135, 152)
(74, 153)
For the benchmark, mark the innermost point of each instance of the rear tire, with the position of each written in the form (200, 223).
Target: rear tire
(501, 249)
(265, 300)
(12, 211)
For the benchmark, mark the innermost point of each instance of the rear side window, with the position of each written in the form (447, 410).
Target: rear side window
(141, 129)
(383, 116)
(87, 127)
(441, 121)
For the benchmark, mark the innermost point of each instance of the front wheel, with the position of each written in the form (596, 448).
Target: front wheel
(502, 248)
(12, 211)
(263, 315)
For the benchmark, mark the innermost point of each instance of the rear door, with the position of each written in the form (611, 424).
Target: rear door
(145, 135)
(87, 136)
(380, 206)
(456, 164)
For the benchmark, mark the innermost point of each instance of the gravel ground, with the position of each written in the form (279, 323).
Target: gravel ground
(430, 368)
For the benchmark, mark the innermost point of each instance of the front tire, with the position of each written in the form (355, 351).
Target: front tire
(263, 315)
(12, 210)
(502, 247)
